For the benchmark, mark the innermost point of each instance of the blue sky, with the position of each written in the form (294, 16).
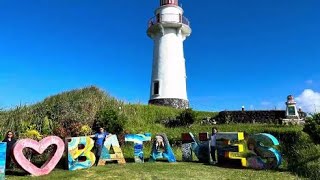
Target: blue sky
(251, 53)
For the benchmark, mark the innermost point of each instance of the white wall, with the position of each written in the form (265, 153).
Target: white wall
(169, 65)
(169, 10)
(168, 58)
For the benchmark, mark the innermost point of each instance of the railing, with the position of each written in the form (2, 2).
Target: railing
(169, 18)
(166, 2)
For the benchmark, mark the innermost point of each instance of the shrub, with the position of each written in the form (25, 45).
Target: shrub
(60, 131)
(312, 127)
(85, 130)
(110, 119)
(47, 126)
(305, 161)
(302, 155)
(32, 134)
(68, 128)
(187, 117)
(312, 170)
(81, 105)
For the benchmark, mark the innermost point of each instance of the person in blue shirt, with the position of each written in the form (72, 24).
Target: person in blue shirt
(99, 138)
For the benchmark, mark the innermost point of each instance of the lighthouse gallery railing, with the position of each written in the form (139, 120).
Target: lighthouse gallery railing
(169, 18)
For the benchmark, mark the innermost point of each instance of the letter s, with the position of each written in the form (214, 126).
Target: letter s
(266, 156)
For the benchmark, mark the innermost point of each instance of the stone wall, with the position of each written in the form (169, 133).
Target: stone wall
(171, 102)
(272, 116)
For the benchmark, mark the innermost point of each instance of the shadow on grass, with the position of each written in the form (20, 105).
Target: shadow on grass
(225, 165)
(16, 172)
(194, 161)
(236, 165)
(129, 160)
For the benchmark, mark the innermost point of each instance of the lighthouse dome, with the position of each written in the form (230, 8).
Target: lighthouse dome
(169, 2)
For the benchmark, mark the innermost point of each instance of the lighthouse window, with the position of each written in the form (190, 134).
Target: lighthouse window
(156, 88)
(292, 111)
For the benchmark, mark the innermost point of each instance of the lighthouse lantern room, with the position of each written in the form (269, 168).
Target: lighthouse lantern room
(168, 29)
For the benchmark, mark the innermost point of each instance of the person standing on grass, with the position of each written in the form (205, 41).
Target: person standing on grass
(213, 144)
(10, 140)
(99, 138)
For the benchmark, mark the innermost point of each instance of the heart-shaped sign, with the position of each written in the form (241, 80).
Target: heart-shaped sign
(39, 147)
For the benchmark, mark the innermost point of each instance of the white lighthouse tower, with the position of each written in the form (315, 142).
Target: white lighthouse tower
(168, 29)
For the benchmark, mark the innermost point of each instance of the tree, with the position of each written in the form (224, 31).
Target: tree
(312, 127)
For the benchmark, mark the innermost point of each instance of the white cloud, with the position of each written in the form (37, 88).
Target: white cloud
(309, 82)
(309, 100)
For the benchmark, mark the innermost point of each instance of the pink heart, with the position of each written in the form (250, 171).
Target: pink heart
(39, 147)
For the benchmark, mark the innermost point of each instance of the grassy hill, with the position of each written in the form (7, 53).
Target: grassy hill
(81, 107)
(77, 112)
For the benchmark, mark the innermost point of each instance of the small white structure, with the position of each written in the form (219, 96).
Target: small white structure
(291, 110)
(169, 28)
(292, 115)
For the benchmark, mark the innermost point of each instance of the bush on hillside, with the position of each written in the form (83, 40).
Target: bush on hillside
(312, 127)
(85, 130)
(305, 160)
(68, 128)
(312, 170)
(47, 126)
(187, 117)
(301, 154)
(111, 119)
(79, 106)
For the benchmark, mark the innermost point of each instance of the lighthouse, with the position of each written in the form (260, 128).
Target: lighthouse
(168, 29)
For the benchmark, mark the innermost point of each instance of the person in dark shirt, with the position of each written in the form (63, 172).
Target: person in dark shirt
(10, 140)
(99, 138)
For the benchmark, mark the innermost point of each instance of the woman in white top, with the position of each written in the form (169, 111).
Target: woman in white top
(213, 144)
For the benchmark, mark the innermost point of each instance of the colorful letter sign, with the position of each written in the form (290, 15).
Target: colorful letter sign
(186, 147)
(111, 142)
(230, 147)
(200, 148)
(79, 153)
(3, 149)
(263, 155)
(138, 140)
(161, 149)
(38, 147)
(259, 153)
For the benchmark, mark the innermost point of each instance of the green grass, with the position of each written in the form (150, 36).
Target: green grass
(162, 170)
